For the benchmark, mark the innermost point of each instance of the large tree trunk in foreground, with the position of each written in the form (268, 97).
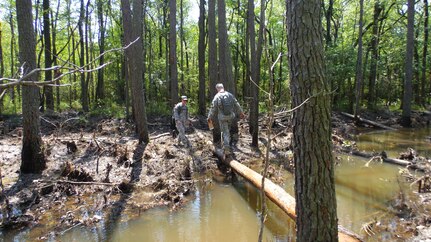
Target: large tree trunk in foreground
(316, 204)
(32, 157)
(134, 54)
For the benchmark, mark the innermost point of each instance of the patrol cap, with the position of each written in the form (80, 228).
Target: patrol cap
(184, 98)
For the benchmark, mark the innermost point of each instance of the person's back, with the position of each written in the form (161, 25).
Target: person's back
(224, 108)
(181, 117)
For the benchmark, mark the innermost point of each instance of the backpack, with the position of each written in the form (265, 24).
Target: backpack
(226, 104)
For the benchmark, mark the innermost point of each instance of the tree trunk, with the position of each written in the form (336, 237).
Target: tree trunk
(212, 49)
(132, 25)
(225, 58)
(173, 71)
(54, 51)
(12, 59)
(201, 50)
(407, 97)
(359, 70)
(425, 52)
(316, 208)
(32, 157)
(1, 68)
(255, 54)
(328, 15)
(49, 96)
(100, 89)
(182, 49)
(374, 56)
(84, 90)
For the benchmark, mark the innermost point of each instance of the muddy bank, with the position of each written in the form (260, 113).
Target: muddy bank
(97, 171)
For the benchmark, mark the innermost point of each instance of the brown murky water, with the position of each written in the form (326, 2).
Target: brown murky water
(230, 212)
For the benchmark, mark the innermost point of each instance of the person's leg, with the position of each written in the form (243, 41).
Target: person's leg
(224, 126)
(216, 134)
(234, 132)
(181, 133)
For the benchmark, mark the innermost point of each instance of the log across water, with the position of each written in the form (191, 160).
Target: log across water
(277, 194)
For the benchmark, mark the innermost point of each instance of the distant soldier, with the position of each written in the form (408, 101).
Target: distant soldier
(181, 117)
(225, 110)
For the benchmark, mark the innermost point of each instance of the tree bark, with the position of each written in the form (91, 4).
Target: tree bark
(1, 67)
(316, 204)
(32, 157)
(425, 51)
(84, 90)
(173, 71)
(225, 58)
(407, 97)
(374, 56)
(212, 49)
(49, 95)
(359, 64)
(132, 25)
(100, 89)
(201, 60)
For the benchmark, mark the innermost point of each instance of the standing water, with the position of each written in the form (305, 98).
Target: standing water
(223, 211)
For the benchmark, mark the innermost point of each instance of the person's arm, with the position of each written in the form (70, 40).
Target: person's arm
(238, 109)
(211, 113)
(176, 112)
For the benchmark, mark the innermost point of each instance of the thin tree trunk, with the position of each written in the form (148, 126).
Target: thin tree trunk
(1, 67)
(54, 51)
(212, 49)
(49, 96)
(425, 52)
(359, 70)
(201, 53)
(374, 56)
(173, 71)
(84, 94)
(100, 90)
(407, 97)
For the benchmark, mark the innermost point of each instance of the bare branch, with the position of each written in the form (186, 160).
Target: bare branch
(22, 80)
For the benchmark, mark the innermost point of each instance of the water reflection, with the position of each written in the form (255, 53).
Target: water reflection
(230, 212)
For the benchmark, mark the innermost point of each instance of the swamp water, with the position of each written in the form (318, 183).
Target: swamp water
(222, 211)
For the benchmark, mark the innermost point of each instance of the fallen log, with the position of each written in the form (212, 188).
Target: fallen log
(403, 163)
(367, 121)
(275, 193)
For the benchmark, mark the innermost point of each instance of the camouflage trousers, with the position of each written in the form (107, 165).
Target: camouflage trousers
(182, 133)
(225, 124)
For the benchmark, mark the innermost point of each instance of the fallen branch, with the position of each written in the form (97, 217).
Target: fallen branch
(82, 183)
(375, 124)
(403, 163)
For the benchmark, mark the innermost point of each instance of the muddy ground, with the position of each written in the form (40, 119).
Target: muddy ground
(97, 167)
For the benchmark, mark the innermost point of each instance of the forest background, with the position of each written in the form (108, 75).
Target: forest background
(73, 34)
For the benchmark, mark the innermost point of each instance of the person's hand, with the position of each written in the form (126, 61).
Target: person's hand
(241, 115)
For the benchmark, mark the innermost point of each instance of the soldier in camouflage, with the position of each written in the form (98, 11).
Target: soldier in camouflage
(181, 116)
(224, 109)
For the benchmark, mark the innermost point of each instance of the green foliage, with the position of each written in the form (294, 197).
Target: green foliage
(109, 110)
(159, 108)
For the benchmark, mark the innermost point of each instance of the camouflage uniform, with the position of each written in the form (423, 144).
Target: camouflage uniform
(181, 116)
(225, 120)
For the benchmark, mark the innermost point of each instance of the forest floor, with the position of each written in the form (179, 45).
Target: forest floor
(97, 170)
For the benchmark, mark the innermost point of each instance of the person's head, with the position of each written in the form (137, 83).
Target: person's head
(219, 87)
(184, 99)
